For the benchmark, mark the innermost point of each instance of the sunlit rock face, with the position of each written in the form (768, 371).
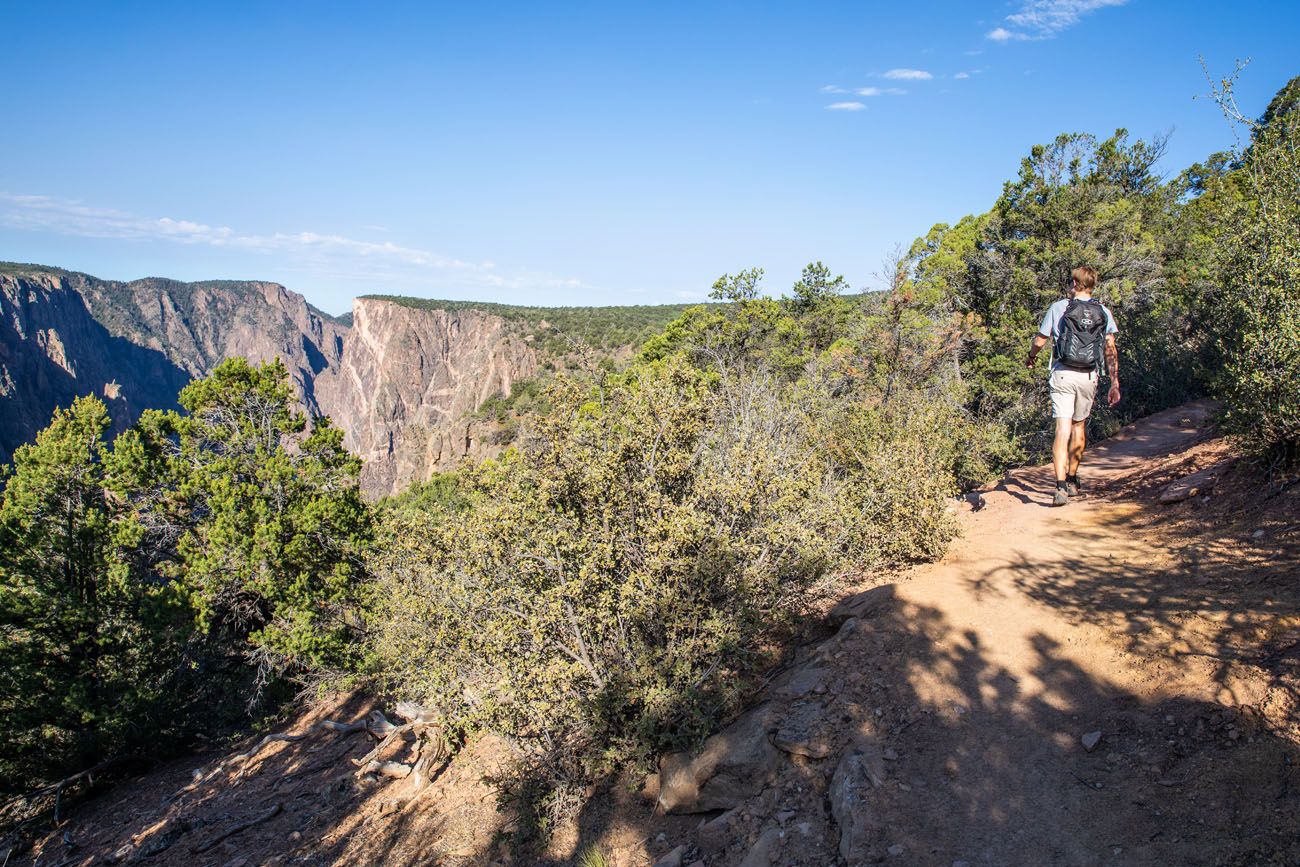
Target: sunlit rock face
(409, 381)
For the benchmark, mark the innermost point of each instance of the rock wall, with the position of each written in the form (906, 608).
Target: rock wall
(401, 382)
(52, 351)
(410, 379)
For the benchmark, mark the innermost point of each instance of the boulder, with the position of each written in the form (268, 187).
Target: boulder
(863, 605)
(763, 852)
(673, 858)
(860, 770)
(732, 766)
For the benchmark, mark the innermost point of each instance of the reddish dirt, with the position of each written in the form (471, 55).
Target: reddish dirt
(1171, 629)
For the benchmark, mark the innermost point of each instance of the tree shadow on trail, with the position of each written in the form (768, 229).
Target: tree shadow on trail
(1217, 597)
(987, 766)
(991, 768)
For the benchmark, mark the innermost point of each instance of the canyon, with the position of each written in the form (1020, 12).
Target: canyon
(402, 379)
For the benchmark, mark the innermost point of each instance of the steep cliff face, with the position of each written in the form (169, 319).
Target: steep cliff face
(52, 351)
(198, 325)
(410, 379)
(64, 335)
(401, 377)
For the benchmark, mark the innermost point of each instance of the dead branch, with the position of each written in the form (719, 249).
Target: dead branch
(433, 750)
(396, 770)
(342, 728)
(378, 725)
(242, 826)
(395, 733)
(412, 712)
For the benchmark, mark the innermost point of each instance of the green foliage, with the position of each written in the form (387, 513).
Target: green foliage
(609, 572)
(270, 518)
(1260, 233)
(138, 580)
(784, 336)
(593, 857)
(440, 495)
(87, 656)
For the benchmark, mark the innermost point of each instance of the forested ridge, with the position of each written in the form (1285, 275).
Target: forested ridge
(617, 581)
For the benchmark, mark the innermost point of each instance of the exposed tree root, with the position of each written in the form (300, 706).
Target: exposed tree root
(242, 826)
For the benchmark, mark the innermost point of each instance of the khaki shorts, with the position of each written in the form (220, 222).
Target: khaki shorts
(1073, 392)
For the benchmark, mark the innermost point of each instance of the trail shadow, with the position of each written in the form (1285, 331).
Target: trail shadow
(1216, 597)
(990, 767)
(986, 765)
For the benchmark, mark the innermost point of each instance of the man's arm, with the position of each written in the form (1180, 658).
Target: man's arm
(1112, 367)
(1039, 342)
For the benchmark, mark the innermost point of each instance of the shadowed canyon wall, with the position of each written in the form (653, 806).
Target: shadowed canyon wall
(401, 382)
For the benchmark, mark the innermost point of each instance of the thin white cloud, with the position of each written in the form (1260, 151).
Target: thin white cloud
(845, 106)
(880, 91)
(832, 88)
(908, 75)
(1002, 34)
(1044, 19)
(967, 73)
(64, 217)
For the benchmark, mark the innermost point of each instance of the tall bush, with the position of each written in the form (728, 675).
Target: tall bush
(1261, 380)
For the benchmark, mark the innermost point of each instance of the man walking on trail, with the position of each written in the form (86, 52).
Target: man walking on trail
(1082, 332)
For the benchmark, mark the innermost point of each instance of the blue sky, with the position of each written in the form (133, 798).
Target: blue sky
(570, 153)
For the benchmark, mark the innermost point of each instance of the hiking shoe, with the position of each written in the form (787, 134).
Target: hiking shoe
(1061, 498)
(1072, 488)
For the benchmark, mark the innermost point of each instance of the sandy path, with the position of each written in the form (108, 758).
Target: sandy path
(1014, 646)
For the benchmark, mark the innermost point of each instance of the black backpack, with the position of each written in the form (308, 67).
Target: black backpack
(1080, 334)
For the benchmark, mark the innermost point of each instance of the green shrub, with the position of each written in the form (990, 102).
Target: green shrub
(87, 656)
(138, 580)
(614, 573)
(1261, 379)
(611, 588)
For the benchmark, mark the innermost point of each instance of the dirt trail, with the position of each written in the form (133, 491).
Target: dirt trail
(1043, 625)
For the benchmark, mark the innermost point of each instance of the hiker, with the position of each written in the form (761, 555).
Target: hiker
(1082, 332)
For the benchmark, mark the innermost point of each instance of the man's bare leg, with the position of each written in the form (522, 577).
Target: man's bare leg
(1061, 448)
(1078, 439)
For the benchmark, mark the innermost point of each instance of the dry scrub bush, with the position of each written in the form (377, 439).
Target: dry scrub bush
(614, 573)
(609, 591)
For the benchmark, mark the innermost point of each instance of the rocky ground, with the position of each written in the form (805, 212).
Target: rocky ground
(1113, 682)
